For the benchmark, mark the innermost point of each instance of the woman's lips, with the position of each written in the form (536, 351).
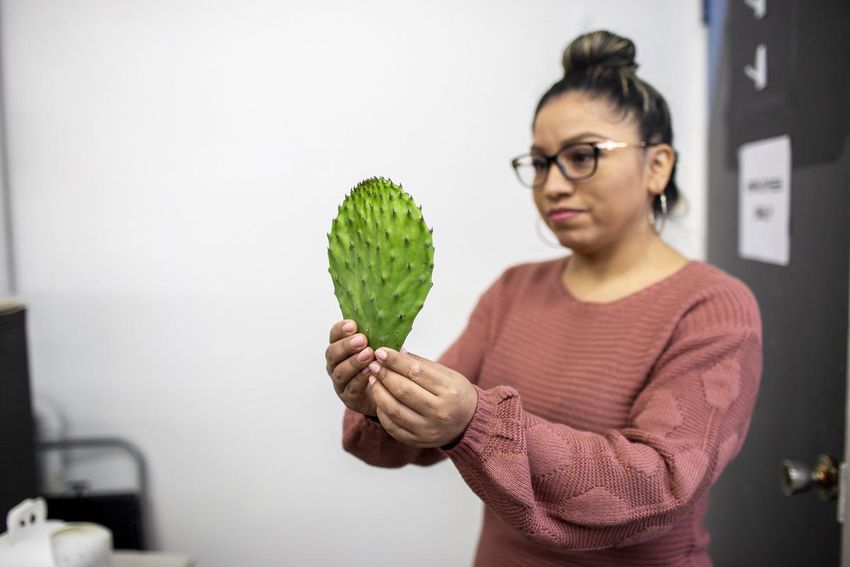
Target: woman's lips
(563, 215)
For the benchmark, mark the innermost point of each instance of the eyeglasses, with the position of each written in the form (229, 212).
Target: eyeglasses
(576, 162)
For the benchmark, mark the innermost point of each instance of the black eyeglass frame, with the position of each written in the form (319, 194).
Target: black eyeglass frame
(598, 147)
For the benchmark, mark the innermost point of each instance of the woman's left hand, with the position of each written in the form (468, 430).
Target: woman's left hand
(419, 402)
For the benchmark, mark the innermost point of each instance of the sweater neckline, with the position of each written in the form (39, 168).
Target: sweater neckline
(663, 282)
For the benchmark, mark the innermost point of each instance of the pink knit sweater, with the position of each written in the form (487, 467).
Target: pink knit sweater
(599, 427)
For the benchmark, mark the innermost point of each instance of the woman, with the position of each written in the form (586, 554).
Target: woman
(591, 400)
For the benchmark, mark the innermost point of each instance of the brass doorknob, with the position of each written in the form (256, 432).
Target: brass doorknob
(797, 477)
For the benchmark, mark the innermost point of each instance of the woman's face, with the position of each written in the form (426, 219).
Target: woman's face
(594, 214)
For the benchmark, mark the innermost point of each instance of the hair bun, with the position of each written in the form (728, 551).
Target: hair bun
(599, 50)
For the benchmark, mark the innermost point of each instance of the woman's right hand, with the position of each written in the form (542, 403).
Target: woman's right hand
(348, 357)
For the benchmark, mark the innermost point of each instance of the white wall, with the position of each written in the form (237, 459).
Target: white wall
(7, 287)
(174, 168)
(7, 275)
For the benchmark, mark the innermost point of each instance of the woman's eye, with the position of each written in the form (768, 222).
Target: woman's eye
(538, 164)
(580, 157)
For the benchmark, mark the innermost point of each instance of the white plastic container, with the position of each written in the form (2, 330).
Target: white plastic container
(33, 541)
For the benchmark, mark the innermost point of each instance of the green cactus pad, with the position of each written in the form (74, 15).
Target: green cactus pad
(381, 258)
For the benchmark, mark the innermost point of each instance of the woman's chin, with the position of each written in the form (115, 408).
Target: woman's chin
(578, 245)
(571, 239)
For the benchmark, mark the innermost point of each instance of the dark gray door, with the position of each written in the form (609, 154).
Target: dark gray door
(800, 411)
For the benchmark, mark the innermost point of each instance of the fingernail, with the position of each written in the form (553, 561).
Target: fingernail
(374, 367)
(372, 380)
(381, 354)
(358, 341)
(364, 355)
(348, 327)
(403, 350)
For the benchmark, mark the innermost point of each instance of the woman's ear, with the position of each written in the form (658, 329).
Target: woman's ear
(662, 158)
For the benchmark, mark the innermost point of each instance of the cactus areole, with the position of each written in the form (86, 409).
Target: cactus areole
(381, 257)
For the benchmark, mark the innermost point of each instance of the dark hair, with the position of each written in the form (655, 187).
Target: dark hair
(603, 64)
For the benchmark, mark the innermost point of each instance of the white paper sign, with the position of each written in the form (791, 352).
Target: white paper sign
(764, 193)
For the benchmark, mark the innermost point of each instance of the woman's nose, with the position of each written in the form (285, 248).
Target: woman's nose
(556, 183)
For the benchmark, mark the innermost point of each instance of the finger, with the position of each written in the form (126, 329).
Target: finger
(342, 329)
(398, 433)
(420, 370)
(344, 348)
(358, 384)
(403, 350)
(350, 368)
(395, 411)
(401, 433)
(405, 390)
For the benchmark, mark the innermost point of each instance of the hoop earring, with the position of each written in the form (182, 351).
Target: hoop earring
(652, 220)
(542, 237)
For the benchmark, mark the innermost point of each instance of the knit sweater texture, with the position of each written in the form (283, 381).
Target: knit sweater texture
(600, 426)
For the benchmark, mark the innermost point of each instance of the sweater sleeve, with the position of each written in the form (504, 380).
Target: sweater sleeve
(368, 441)
(572, 489)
